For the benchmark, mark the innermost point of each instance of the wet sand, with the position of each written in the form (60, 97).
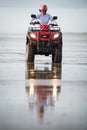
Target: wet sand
(43, 96)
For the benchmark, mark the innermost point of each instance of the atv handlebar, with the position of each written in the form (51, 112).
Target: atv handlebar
(37, 22)
(52, 24)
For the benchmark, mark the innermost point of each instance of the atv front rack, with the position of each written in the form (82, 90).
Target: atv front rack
(35, 28)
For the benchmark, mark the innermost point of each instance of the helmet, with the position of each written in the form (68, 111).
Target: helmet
(43, 7)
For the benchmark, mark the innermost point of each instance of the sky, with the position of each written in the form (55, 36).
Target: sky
(15, 14)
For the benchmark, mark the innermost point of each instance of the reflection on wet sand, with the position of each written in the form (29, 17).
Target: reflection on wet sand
(42, 87)
(46, 73)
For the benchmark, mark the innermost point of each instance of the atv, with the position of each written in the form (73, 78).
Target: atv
(43, 39)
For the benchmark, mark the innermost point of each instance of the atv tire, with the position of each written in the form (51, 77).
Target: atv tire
(29, 53)
(57, 55)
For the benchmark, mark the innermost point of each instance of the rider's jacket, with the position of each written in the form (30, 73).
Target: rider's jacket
(43, 19)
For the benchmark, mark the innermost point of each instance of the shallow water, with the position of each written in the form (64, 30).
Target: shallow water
(43, 96)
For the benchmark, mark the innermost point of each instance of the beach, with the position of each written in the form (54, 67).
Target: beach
(43, 96)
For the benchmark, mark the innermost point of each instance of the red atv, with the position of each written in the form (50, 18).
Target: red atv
(44, 40)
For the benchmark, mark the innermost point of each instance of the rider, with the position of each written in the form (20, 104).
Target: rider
(43, 17)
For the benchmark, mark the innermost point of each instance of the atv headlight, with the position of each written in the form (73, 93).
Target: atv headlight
(32, 35)
(56, 35)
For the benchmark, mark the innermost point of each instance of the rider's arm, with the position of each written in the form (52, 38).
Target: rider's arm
(50, 17)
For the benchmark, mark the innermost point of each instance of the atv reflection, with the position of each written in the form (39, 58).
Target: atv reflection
(42, 87)
(32, 73)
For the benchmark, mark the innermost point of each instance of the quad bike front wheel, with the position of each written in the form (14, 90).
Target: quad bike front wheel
(29, 53)
(57, 55)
